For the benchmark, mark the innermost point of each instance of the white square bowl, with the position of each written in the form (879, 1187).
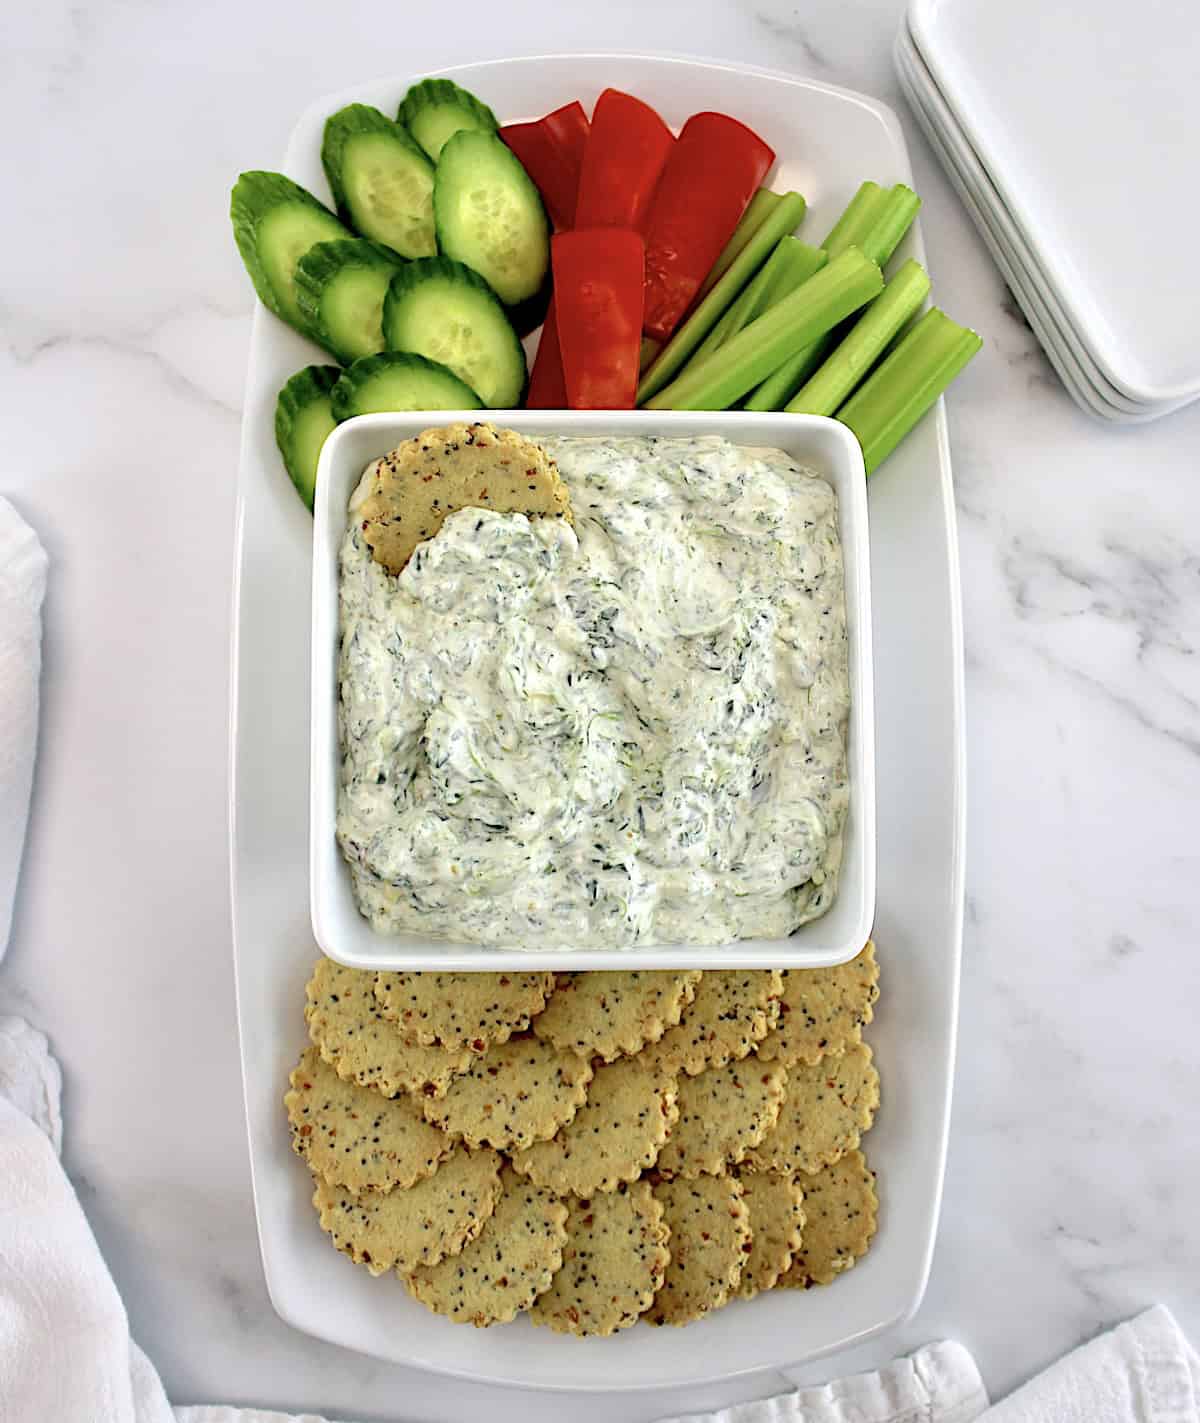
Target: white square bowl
(343, 933)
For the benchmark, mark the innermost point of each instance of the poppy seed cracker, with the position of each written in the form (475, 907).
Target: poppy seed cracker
(462, 1010)
(513, 1095)
(403, 1229)
(723, 1113)
(614, 1261)
(506, 1267)
(823, 1010)
(709, 1243)
(615, 1135)
(610, 1015)
(840, 1214)
(405, 497)
(825, 1111)
(345, 1022)
(776, 1205)
(354, 1136)
(731, 1012)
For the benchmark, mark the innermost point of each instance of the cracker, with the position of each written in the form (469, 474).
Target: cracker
(513, 1095)
(610, 1015)
(732, 1010)
(723, 1113)
(825, 1110)
(510, 1263)
(356, 1137)
(461, 1010)
(613, 1263)
(420, 1226)
(841, 1210)
(408, 494)
(615, 1135)
(823, 1010)
(345, 1023)
(709, 1243)
(776, 1206)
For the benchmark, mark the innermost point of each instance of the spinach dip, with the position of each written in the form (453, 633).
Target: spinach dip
(632, 731)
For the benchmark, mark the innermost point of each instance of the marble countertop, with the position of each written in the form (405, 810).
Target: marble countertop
(1074, 1164)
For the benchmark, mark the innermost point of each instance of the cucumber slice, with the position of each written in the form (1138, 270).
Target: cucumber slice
(381, 180)
(275, 221)
(399, 380)
(436, 109)
(444, 310)
(303, 418)
(341, 286)
(490, 216)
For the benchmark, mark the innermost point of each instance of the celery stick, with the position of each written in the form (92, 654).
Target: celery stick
(891, 218)
(779, 387)
(875, 221)
(906, 384)
(758, 209)
(879, 219)
(649, 352)
(791, 263)
(854, 357)
(847, 283)
(855, 222)
(785, 215)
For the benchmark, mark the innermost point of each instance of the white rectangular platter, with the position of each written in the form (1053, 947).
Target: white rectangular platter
(828, 140)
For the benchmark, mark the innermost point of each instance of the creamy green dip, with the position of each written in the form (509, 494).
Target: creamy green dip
(628, 732)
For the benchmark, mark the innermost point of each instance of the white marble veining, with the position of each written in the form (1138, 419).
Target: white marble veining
(1075, 1156)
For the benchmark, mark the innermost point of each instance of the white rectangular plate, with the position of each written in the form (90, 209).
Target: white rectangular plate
(1052, 145)
(827, 140)
(343, 933)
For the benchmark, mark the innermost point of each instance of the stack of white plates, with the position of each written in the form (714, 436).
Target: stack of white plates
(1072, 133)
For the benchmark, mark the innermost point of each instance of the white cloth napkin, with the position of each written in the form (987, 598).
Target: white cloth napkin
(22, 586)
(65, 1350)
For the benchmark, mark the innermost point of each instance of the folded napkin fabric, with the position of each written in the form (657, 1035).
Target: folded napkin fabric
(937, 1384)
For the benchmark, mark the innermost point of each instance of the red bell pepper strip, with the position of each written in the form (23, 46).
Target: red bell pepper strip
(569, 128)
(625, 154)
(599, 287)
(551, 152)
(547, 384)
(712, 173)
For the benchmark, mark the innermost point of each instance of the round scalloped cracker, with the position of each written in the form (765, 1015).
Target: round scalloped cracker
(823, 1010)
(345, 1022)
(615, 1135)
(506, 1267)
(614, 1261)
(709, 1243)
(611, 1015)
(462, 1010)
(723, 1113)
(826, 1109)
(776, 1205)
(841, 1210)
(354, 1136)
(405, 497)
(513, 1095)
(420, 1226)
(731, 1012)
